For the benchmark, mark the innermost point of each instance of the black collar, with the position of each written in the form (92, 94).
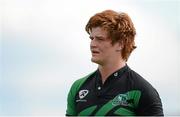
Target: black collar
(114, 75)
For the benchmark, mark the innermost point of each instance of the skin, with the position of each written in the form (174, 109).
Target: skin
(107, 56)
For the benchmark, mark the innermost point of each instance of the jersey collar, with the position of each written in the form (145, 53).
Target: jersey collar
(115, 75)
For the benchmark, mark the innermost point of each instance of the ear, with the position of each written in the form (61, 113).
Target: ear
(119, 46)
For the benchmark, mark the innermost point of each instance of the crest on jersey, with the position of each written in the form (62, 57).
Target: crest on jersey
(121, 99)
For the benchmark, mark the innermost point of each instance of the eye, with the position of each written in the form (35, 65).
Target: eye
(91, 38)
(100, 38)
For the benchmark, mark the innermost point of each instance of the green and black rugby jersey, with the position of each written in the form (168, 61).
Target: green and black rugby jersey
(124, 93)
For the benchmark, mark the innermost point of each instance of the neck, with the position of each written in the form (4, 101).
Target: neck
(107, 70)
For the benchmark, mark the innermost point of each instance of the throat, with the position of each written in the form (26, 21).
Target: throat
(107, 71)
(104, 77)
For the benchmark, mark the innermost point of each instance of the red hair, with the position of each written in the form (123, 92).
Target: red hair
(119, 26)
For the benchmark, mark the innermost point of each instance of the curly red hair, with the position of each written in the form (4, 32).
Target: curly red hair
(119, 26)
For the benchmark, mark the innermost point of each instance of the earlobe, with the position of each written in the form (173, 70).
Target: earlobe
(120, 47)
(118, 50)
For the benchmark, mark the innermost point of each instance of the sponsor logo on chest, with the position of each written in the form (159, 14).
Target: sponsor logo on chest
(82, 95)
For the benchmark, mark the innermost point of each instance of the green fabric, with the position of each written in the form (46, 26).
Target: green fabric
(134, 94)
(72, 93)
(105, 109)
(124, 112)
(121, 98)
(87, 111)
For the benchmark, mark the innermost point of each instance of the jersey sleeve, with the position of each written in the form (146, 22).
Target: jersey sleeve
(71, 102)
(150, 103)
(71, 110)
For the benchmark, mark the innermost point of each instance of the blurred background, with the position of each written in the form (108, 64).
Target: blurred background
(44, 48)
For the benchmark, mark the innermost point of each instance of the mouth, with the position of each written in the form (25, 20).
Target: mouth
(94, 52)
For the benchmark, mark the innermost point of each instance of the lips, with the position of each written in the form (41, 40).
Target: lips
(95, 52)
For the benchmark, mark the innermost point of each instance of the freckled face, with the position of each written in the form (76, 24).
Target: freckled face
(101, 47)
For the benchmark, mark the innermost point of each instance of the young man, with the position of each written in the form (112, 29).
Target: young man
(113, 89)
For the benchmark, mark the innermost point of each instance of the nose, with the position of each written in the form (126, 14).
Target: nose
(93, 43)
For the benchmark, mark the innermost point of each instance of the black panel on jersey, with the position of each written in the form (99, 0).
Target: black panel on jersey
(120, 83)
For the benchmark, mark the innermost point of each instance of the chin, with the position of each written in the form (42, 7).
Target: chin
(94, 60)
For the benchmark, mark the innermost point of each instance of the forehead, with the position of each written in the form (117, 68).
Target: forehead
(98, 31)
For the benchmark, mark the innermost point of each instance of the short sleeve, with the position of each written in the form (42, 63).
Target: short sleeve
(150, 103)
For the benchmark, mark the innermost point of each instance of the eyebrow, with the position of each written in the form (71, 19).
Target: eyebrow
(97, 37)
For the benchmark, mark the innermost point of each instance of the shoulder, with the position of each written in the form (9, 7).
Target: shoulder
(71, 110)
(148, 92)
(150, 102)
(78, 83)
(139, 81)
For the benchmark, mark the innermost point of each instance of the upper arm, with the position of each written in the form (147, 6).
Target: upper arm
(150, 103)
(71, 109)
(71, 101)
